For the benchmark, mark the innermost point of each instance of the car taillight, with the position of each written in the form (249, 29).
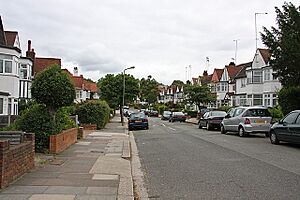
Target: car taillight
(145, 120)
(247, 121)
(129, 121)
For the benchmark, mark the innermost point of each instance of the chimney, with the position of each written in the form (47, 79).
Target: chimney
(75, 72)
(29, 45)
(205, 73)
(232, 64)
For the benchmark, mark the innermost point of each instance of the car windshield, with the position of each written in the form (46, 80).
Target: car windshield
(218, 113)
(258, 113)
(137, 115)
(167, 113)
(178, 113)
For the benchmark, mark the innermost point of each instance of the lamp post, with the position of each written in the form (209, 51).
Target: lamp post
(236, 48)
(123, 96)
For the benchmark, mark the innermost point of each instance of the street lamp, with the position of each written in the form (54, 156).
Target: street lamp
(123, 96)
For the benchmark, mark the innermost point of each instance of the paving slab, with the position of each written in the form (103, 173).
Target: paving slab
(96, 197)
(106, 177)
(14, 189)
(51, 197)
(102, 190)
(14, 196)
(65, 190)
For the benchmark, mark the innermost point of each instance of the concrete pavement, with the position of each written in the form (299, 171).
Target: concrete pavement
(97, 167)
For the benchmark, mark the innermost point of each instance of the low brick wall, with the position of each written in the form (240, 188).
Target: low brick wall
(89, 126)
(61, 141)
(15, 160)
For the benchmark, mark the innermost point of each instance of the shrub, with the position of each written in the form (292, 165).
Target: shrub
(94, 112)
(192, 113)
(37, 119)
(161, 109)
(289, 98)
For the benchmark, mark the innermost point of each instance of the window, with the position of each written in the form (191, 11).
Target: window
(298, 120)
(257, 99)
(9, 106)
(267, 75)
(231, 112)
(8, 66)
(238, 111)
(257, 76)
(243, 100)
(23, 72)
(243, 82)
(267, 101)
(291, 118)
(1, 105)
(1, 66)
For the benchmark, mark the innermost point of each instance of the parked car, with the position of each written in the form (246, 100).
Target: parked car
(138, 120)
(153, 113)
(177, 116)
(166, 115)
(287, 129)
(246, 120)
(202, 111)
(212, 119)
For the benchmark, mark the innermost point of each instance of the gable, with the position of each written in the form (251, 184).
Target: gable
(261, 58)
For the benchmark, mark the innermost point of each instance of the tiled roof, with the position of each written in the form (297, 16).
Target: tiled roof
(78, 81)
(217, 75)
(242, 72)
(233, 70)
(205, 79)
(90, 86)
(42, 63)
(266, 54)
(10, 38)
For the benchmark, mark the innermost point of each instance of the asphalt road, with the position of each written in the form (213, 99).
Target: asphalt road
(180, 161)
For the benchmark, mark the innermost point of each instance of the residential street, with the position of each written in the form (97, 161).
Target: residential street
(181, 161)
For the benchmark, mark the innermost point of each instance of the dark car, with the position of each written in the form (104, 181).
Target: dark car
(166, 115)
(177, 116)
(153, 113)
(287, 129)
(202, 111)
(212, 119)
(138, 120)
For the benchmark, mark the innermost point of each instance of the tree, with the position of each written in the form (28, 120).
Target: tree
(199, 94)
(53, 88)
(178, 83)
(284, 44)
(149, 89)
(111, 89)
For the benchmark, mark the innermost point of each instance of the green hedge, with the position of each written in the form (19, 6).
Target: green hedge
(37, 119)
(93, 112)
(192, 113)
(289, 99)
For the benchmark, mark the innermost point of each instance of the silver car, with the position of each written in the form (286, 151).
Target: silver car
(246, 120)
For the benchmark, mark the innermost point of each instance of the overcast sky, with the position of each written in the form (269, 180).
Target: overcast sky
(159, 37)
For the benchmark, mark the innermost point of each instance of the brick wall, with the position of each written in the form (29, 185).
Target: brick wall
(62, 141)
(15, 160)
(89, 126)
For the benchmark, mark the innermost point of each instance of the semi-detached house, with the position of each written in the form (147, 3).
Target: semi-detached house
(255, 83)
(15, 72)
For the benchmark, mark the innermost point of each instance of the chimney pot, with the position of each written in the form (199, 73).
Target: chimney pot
(29, 45)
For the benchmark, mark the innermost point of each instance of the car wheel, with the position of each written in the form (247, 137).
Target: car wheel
(223, 131)
(273, 138)
(241, 132)
(147, 127)
(199, 126)
(129, 128)
(208, 127)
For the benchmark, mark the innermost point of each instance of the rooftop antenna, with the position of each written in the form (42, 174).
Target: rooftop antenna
(207, 63)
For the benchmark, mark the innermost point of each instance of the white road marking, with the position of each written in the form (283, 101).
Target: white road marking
(172, 129)
(163, 125)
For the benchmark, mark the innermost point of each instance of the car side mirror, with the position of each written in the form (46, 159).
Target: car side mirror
(227, 116)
